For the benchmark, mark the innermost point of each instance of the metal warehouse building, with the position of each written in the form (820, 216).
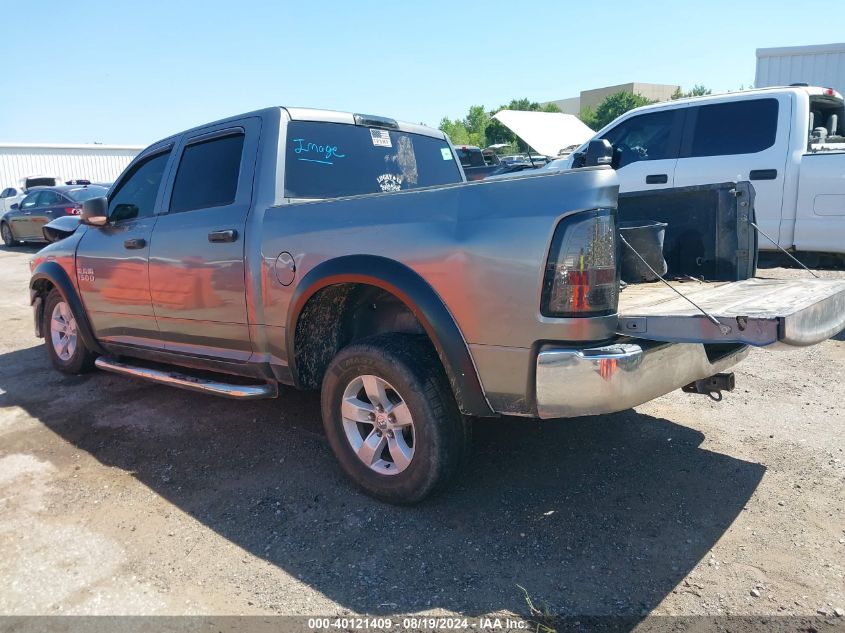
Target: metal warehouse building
(97, 163)
(818, 65)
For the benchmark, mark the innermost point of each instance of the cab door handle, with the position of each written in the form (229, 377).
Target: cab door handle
(763, 174)
(656, 179)
(227, 235)
(135, 243)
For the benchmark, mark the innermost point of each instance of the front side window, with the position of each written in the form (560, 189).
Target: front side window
(332, 160)
(738, 127)
(135, 196)
(644, 137)
(30, 201)
(208, 174)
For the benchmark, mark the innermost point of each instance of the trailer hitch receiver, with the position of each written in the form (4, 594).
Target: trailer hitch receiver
(712, 386)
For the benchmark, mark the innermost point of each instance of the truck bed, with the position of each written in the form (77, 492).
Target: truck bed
(795, 312)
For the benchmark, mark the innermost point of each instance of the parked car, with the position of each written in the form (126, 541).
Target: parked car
(790, 142)
(524, 161)
(256, 248)
(13, 195)
(10, 196)
(476, 163)
(24, 222)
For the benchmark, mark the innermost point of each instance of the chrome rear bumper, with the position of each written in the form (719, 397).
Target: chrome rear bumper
(574, 382)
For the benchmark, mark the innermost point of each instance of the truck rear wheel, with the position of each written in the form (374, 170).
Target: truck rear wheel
(391, 418)
(65, 346)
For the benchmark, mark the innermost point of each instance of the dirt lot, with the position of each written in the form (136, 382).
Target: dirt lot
(120, 497)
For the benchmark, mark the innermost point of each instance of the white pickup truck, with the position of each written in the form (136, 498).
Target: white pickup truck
(789, 142)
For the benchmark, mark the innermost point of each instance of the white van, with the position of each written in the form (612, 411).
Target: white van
(789, 142)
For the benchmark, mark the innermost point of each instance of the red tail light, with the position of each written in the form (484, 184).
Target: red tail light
(73, 210)
(582, 276)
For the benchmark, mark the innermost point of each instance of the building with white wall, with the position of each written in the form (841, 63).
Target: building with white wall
(819, 65)
(97, 163)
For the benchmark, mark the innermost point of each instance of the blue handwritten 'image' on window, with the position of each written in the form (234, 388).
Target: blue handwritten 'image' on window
(326, 152)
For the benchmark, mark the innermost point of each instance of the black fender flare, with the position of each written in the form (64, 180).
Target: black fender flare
(419, 297)
(56, 275)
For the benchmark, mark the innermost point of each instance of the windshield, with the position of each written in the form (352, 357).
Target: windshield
(86, 193)
(332, 160)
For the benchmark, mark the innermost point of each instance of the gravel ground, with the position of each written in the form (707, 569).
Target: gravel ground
(121, 497)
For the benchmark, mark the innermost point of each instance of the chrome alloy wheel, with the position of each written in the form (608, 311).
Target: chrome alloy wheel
(6, 234)
(63, 331)
(378, 425)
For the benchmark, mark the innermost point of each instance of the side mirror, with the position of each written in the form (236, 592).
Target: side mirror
(95, 212)
(14, 207)
(599, 152)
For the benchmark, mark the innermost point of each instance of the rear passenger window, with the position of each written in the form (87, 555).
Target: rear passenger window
(208, 174)
(644, 137)
(739, 127)
(49, 198)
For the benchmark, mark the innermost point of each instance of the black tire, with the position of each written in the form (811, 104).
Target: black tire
(6, 233)
(410, 364)
(82, 359)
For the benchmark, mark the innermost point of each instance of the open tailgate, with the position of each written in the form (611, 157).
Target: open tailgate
(759, 312)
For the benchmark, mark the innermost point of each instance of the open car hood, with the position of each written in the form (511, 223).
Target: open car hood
(546, 132)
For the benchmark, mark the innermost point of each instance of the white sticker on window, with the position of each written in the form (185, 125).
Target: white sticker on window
(381, 138)
(389, 182)
(446, 152)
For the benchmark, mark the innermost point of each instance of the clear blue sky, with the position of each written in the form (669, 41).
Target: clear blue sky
(133, 72)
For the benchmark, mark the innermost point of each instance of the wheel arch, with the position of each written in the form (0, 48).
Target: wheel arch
(49, 275)
(417, 296)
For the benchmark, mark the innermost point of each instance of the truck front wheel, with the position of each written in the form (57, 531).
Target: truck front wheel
(391, 418)
(65, 346)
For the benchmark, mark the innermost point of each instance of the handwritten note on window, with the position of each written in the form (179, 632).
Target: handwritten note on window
(315, 153)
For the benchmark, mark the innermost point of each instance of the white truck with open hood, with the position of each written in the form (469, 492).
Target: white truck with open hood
(789, 142)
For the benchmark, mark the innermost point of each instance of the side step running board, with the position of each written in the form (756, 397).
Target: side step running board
(191, 383)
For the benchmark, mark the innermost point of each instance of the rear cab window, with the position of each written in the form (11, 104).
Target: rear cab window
(827, 120)
(333, 160)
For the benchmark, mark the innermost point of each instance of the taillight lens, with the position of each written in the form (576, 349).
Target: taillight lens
(582, 276)
(73, 210)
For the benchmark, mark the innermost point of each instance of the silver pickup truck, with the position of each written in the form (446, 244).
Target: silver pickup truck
(347, 253)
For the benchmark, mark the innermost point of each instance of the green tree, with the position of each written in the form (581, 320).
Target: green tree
(613, 106)
(456, 130)
(588, 117)
(469, 130)
(476, 123)
(479, 128)
(697, 91)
